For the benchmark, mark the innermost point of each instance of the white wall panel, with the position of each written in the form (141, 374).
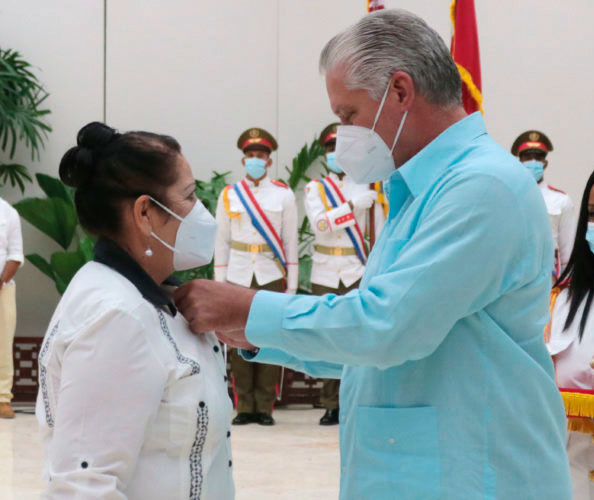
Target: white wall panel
(200, 71)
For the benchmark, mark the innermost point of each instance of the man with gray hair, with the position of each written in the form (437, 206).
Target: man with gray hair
(447, 388)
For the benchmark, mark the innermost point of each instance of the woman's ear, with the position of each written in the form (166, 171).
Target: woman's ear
(141, 214)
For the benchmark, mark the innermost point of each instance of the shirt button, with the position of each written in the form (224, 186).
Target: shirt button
(253, 261)
(343, 418)
(216, 348)
(225, 377)
(338, 270)
(84, 464)
(228, 434)
(230, 463)
(391, 440)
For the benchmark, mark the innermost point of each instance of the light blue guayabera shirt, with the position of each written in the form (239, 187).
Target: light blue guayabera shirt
(447, 387)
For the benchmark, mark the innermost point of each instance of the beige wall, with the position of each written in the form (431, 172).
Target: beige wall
(204, 71)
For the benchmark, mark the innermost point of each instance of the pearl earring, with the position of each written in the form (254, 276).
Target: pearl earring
(148, 252)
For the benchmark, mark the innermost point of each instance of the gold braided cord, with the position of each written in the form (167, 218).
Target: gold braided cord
(323, 195)
(475, 93)
(231, 214)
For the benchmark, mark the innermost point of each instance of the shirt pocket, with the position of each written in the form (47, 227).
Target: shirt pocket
(396, 453)
(178, 412)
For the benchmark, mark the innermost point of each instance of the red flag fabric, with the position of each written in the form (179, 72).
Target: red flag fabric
(465, 51)
(374, 5)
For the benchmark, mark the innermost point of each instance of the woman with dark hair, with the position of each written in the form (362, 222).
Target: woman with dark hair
(131, 404)
(570, 338)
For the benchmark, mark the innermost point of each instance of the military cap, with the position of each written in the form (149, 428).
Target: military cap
(532, 140)
(257, 138)
(328, 135)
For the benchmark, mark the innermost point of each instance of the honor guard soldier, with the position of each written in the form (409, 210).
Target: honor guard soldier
(257, 248)
(532, 148)
(337, 209)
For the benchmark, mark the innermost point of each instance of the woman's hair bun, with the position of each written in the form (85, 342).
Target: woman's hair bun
(95, 136)
(78, 164)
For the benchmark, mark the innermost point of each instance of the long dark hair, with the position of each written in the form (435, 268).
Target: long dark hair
(580, 268)
(107, 167)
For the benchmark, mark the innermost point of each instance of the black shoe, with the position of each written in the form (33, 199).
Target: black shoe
(243, 418)
(264, 419)
(330, 417)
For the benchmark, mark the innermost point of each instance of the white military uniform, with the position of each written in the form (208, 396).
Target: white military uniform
(560, 209)
(574, 369)
(131, 404)
(329, 227)
(240, 266)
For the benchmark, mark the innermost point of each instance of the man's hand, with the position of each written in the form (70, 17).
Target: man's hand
(208, 305)
(235, 338)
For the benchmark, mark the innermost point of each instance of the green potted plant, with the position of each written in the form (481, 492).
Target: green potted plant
(22, 115)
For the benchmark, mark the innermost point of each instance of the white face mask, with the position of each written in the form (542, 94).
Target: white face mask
(363, 154)
(195, 238)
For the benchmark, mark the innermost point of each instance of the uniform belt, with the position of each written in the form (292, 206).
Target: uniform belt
(336, 251)
(251, 248)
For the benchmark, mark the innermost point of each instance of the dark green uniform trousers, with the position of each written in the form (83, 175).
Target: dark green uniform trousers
(255, 383)
(331, 386)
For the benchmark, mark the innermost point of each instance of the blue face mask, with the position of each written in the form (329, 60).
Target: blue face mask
(536, 168)
(590, 236)
(332, 164)
(255, 167)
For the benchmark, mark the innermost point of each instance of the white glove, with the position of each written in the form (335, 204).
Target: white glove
(365, 199)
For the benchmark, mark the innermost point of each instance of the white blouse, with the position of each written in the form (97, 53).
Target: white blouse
(574, 365)
(132, 405)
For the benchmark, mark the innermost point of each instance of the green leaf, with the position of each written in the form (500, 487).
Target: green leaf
(40, 263)
(15, 174)
(21, 98)
(204, 272)
(55, 188)
(85, 248)
(65, 265)
(52, 216)
(305, 265)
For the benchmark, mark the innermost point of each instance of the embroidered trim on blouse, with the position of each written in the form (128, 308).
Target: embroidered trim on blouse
(49, 418)
(196, 473)
(180, 357)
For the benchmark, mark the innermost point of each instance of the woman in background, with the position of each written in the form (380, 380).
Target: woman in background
(571, 342)
(131, 404)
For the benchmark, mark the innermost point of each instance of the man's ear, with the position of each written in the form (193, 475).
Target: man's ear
(546, 163)
(268, 162)
(403, 88)
(142, 212)
(243, 161)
